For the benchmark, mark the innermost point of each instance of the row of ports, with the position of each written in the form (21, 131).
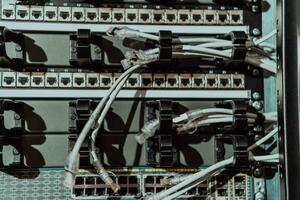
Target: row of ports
(93, 186)
(105, 80)
(121, 15)
(221, 187)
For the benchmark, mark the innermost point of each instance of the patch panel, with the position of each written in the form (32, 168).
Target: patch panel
(91, 15)
(197, 16)
(145, 16)
(64, 14)
(36, 13)
(92, 80)
(8, 12)
(51, 79)
(185, 80)
(106, 80)
(225, 80)
(172, 81)
(22, 12)
(238, 81)
(198, 81)
(158, 16)
(146, 80)
(171, 16)
(211, 80)
(159, 80)
(210, 17)
(23, 79)
(79, 80)
(184, 16)
(134, 81)
(105, 15)
(50, 13)
(65, 80)
(131, 15)
(37, 79)
(78, 14)
(236, 17)
(118, 15)
(9, 79)
(223, 17)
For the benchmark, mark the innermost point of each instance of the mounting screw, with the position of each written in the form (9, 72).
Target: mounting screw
(18, 48)
(256, 32)
(73, 49)
(257, 105)
(97, 50)
(17, 117)
(256, 96)
(257, 172)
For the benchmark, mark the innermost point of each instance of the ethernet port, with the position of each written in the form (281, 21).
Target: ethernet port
(209, 17)
(37, 80)
(197, 17)
(106, 81)
(22, 13)
(8, 80)
(36, 14)
(51, 80)
(236, 17)
(158, 16)
(144, 17)
(132, 82)
(133, 180)
(78, 15)
(118, 16)
(239, 192)
(105, 16)
(90, 181)
(65, 80)
(78, 192)
(185, 82)
(122, 179)
(238, 81)
(100, 191)
(211, 81)
(171, 18)
(79, 180)
(134, 191)
(172, 81)
(89, 191)
(92, 15)
(184, 17)
(131, 16)
(79, 80)
(198, 82)
(222, 192)
(159, 82)
(23, 80)
(50, 14)
(92, 81)
(150, 180)
(7, 13)
(224, 81)
(64, 15)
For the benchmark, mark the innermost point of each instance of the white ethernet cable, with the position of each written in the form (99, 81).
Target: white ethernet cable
(72, 164)
(199, 176)
(264, 139)
(264, 38)
(269, 158)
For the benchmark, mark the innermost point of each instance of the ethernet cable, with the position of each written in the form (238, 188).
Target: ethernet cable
(72, 164)
(264, 38)
(263, 140)
(199, 176)
(269, 158)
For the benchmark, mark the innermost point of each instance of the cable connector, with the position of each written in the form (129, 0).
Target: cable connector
(138, 58)
(123, 32)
